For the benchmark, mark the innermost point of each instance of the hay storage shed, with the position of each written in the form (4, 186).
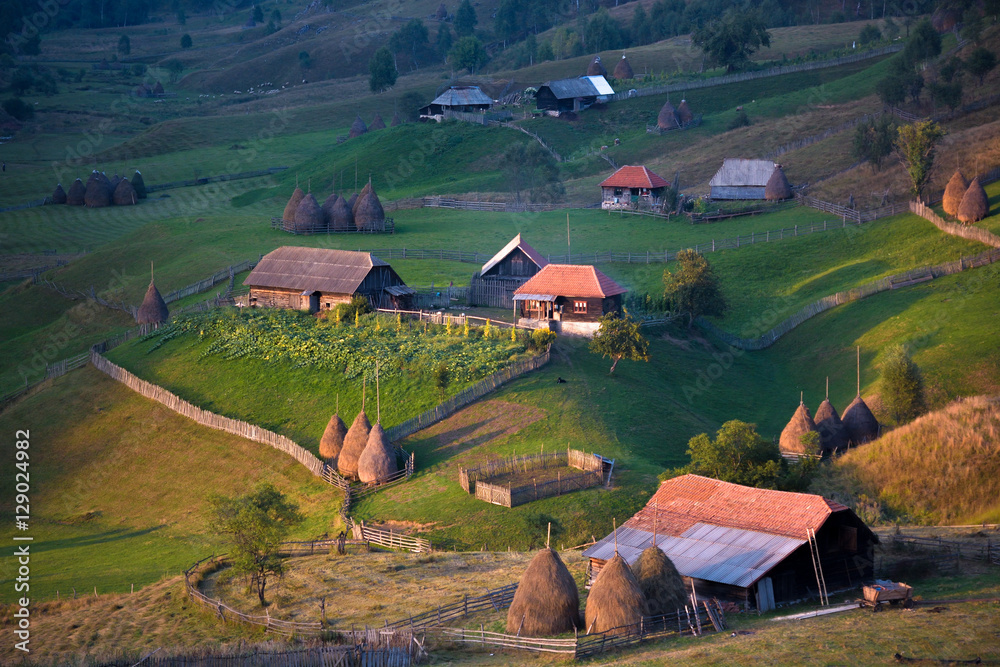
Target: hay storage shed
(615, 602)
(547, 601)
(316, 279)
(975, 204)
(516, 261)
(953, 193)
(569, 298)
(574, 94)
(354, 446)
(632, 185)
(623, 70)
(741, 179)
(466, 99)
(377, 462)
(744, 544)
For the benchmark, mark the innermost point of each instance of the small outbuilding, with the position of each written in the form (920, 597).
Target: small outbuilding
(630, 185)
(569, 298)
(742, 179)
(564, 95)
(457, 98)
(517, 261)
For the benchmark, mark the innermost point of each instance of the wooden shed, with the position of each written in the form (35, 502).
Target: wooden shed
(629, 185)
(457, 98)
(316, 279)
(747, 545)
(741, 179)
(569, 298)
(494, 284)
(573, 94)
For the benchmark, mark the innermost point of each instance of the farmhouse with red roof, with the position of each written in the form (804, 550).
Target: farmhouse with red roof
(569, 298)
(630, 186)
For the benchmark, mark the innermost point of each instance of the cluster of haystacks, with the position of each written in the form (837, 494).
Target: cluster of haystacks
(623, 70)
(153, 311)
(778, 188)
(975, 204)
(360, 212)
(595, 68)
(101, 191)
(547, 601)
(671, 118)
(146, 90)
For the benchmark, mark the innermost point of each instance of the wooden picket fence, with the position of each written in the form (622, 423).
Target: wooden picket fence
(222, 275)
(391, 539)
(513, 496)
(468, 478)
(970, 232)
(494, 600)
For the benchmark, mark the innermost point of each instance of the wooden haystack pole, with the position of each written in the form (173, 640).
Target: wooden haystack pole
(59, 195)
(953, 193)
(547, 601)
(778, 187)
(333, 439)
(354, 445)
(396, 120)
(341, 218)
(139, 185)
(595, 68)
(358, 128)
(378, 461)
(623, 70)
(800, 424)
(369, 216)
(615, 599)
(684, 115)
(861, 425)
(153, 310)
(77, 193)
(975, 204)
(98, 194)
(833, 438)
(667, 118)
(124, 194)
(293, 205)
(377, 123)
(309, 216)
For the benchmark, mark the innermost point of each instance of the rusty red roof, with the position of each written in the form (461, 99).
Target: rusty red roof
(571, 280)
(634, 177)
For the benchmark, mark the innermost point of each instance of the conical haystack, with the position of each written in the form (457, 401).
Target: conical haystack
(328, 209)
(77, 193)
(358, 128)
(97, 194)
(778, 187)
(124, 194)
(547, 601)
(595, 68)
(115, 180)
(351, 201)
(442, 12)
(861, 425)
(293, 205)
(309, 216)
(377, 123)
(396, 120)
(953, 193)
(369, 216)
(333, 439)
(139, 185)
(833, 438)
(354, 446)
(975, 204)
(59, 195)
(615, 599)
(667, 118)
(800, 424)
(341, 218)
(623, 70)
(158, 89)
(378, 461)
(356, 199)
(153, 309)
(660, 582)
(684, 115)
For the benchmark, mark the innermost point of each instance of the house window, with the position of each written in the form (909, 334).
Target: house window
(579, 306)
(618, 192)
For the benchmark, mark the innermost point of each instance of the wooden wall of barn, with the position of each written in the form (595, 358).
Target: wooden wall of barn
(737, 192)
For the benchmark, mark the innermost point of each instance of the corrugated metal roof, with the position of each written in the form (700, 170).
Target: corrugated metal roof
(534, 297)
(458, 96)
(601, 84)
(565, 89)
(739, 171)
(317, 269)
(515, 242)
(571, 280)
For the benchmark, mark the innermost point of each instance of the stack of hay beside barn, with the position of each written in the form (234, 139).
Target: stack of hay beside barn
(615, 602)
(547, 601)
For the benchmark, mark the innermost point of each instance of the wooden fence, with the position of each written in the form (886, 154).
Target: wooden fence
(492, 206)
(469, 477)
(513, 496)
(315, 656)
(970, 232)
(492, 293)
(205, 180)
(219, 276)
(854, 215)
(391, 539)
(495, 600)
(388, 227)
(485, 118)
(206, 418)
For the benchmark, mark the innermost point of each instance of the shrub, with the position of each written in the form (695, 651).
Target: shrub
(357, 306)
(18, 108)
(542, 338)
(442, 376)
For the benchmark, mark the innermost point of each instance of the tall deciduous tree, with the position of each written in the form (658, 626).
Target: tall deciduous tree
(381, 70)
(468, 53)
(411, 40)
(916, 146)
(737, 454)
(465, 19)
(619, 338)
(730, 40)
(693, 289)
(873, 141)
(902, 386)
(980, 63)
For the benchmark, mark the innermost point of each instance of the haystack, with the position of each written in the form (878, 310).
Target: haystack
(139, 185)
(833, 438)
(667, 118)
(309, 216)
(378, 461)
(396, 120)
(369, 216)
(442, 13)
(684, 115)
(115, 180)
(158, 89)
(341, 218)
(351, 201)
(623, 70)
(547, 601)
(124, 194)
(354, 445)
(660, 582)
(76, 194)
(357, 128)
(953, 193)
(975, 204)
(615, 599)
(356, 199)
(97, 194)
(59, 195)
(861, 425)
(800, 424)
(333, 439)
(153, 309)
(778, 187)
(293, 205)
(328, 208)
(595, 68)
(377, 123)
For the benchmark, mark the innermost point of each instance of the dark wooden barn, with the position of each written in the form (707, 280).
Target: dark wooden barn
(739, 178)
(572, 94)
(457, 98)
(316, 279)
(569, 298)
(747, 545)
(494, 284)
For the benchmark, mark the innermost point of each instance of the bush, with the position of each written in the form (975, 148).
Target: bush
(740, 120)
(869, 34)
(542, 338)
(18, 109)
(442, 376)
(186, 41)
(348, 312)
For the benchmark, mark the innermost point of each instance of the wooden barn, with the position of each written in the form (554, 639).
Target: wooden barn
(741, 179)
(494, 284)
(629, 185)
(456, 98)
(573, 94)
(569, 298)
(747, 545)
(316, 279)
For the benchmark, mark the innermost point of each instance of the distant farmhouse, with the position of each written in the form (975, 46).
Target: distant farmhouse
(746, 545)
(456, 98)
(576, 94)
(569, 298)
(316, 279)
(629, 185)
(750, 179)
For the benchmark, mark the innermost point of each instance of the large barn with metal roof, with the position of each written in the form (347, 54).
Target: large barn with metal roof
(747, 545)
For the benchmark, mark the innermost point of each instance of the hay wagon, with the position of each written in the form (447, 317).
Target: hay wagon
(891, 592)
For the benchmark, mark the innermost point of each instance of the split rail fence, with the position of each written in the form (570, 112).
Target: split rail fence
(970, 232)
(495, 600)
(493, 206)
(390, 539)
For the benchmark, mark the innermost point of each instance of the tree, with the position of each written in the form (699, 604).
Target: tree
(915, 145)
(412, 39)
(603, 32)
(444, 41)
(642, 31)
(738, 455)
(902, 386)
(972, 25)
(186, 41)
(174, 69)
(873, 141)
(527, 167)
(181, 17)
(870, 33)
(465, 19)
(442, 376)
(891, 90)
(258, 14)
(619, 338)
(729, 41)
(257, 522)
(381, 70)
(468, 53)
(694, 288)
(276, 17)
(951, 69)
(980, 63)
(948, 94)
(923, 44)
(124, 46)
(19, 109)
(305, 61)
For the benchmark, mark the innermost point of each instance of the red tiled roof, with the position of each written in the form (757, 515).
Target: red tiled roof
(634, 177)
(571, 280)
(682, 502)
